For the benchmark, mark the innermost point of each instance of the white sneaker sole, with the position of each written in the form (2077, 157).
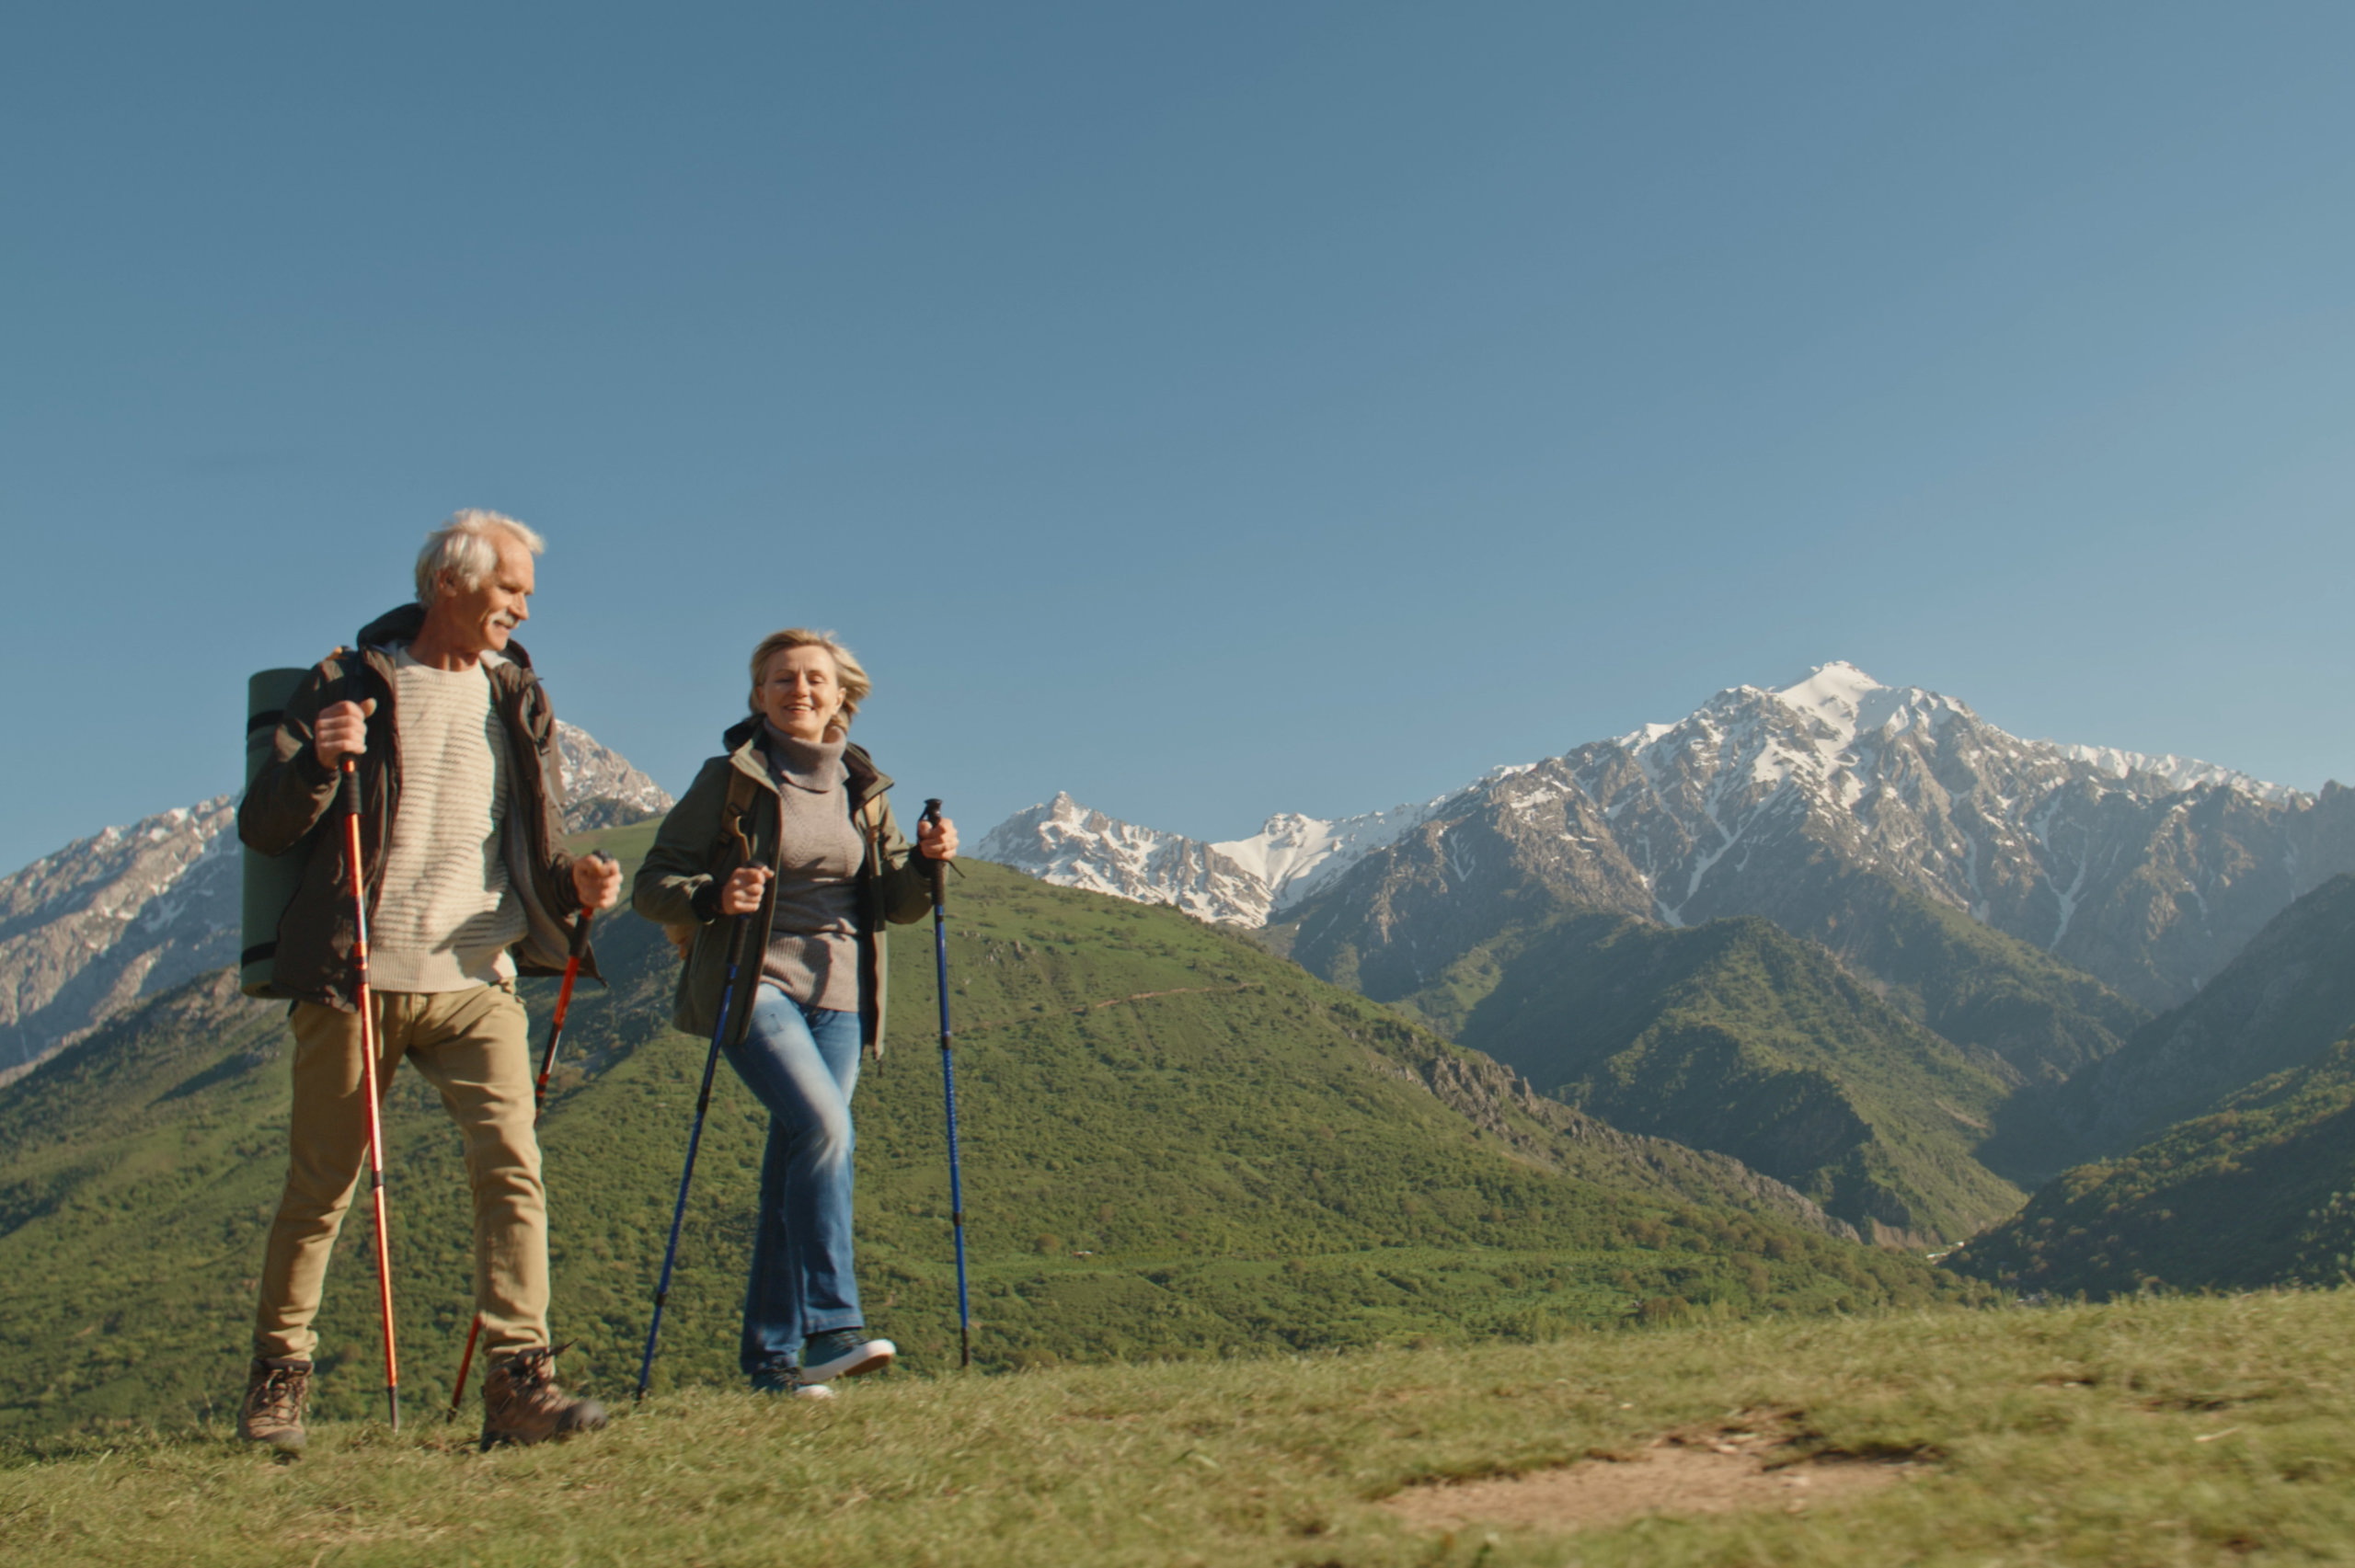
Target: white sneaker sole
(871, 1357)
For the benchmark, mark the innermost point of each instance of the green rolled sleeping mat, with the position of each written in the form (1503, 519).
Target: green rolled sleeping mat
(270, 880)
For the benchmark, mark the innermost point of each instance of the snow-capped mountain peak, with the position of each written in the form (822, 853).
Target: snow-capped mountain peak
(1236, 881)
(1067, 843)
(1296, 855)
(1842, 703)
(1837, 694)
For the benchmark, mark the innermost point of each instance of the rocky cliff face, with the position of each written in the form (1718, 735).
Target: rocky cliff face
(600, 788)
(122, 914)
(132, 911)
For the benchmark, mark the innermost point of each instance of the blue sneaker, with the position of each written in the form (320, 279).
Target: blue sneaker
(844, 1353)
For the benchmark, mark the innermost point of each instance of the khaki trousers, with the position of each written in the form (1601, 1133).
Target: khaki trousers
(474, 1045)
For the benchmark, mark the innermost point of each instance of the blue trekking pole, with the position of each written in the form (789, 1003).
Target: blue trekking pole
(694, 1137)
(940, 870)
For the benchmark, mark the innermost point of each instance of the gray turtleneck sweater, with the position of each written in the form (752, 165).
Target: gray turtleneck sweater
(813, 941)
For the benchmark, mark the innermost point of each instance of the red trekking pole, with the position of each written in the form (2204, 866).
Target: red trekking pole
(539, 1102)
(350, 790)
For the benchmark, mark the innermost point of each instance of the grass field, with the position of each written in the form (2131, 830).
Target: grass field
(2157, 1431)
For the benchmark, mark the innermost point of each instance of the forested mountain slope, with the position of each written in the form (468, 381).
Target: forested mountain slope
(2282, 1001)
(1736, 1037)
(2219, 1141)
(2259, 1192)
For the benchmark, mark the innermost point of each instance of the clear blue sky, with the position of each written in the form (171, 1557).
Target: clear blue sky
(1208, 409)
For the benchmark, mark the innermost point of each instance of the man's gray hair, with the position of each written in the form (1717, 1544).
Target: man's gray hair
(466, 547)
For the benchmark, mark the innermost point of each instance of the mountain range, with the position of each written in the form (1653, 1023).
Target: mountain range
(1813, 805)
(1852, 934)
(130, 912)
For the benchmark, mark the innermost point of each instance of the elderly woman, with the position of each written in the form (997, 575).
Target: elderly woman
(791, 830)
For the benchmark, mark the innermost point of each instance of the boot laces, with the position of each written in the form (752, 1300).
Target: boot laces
(280, 1394)
(533, 1372)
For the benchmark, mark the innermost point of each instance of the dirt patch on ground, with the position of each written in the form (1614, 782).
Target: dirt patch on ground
(1742, 1464)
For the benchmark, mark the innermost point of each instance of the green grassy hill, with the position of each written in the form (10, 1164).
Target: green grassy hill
(2172, 1432)
(1735, 1036)
(2259, 1192)
(1177, 1145)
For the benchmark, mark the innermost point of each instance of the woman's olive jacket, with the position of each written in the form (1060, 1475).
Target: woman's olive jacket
(697, 849)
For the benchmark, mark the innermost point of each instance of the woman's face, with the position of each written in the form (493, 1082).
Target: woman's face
(801, 692)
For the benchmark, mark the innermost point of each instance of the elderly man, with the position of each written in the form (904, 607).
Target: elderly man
(466, 875)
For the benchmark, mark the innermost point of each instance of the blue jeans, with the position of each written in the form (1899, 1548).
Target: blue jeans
(802, 1063)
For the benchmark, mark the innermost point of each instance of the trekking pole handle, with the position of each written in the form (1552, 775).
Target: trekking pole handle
(581, 921)
(346, 797)
(935, 868)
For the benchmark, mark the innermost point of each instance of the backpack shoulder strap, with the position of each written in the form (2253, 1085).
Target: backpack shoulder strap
(742, 790)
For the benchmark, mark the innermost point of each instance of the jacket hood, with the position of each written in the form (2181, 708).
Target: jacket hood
(401, 624)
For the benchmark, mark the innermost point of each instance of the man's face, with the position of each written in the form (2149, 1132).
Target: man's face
(485, 617)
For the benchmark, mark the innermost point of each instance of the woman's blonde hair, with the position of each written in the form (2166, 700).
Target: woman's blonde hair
(851, 674)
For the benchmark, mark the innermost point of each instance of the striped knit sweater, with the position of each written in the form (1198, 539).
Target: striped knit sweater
(448, 910)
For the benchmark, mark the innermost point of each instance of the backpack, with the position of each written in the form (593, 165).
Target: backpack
(268, 882)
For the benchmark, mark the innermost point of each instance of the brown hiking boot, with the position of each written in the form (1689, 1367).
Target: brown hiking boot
(521, 1403)
(276, 1387)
